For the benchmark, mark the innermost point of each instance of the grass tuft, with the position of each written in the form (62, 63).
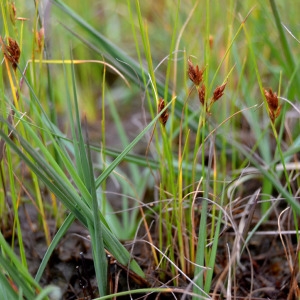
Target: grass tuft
(169, 132)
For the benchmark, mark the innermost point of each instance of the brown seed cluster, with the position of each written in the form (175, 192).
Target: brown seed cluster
(201, 94)
(39, 39)
(273, 104)
(196, 76)
(165, 115)
(11, 51)
(219, 92)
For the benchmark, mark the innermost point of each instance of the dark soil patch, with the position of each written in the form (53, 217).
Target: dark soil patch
(262, 273)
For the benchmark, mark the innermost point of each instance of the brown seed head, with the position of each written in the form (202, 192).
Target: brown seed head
(219, 92)
(195, 74)
(273, 104)
(272, 99)
(201, 94)
(165, 115)
(11, 52)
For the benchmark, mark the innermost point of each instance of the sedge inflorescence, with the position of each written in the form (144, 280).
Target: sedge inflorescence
(196, 76)
(273, 104)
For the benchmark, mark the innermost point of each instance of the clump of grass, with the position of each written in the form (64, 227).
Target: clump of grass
(199, 162)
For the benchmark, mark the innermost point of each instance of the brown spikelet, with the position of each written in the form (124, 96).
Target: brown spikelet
(201, 94)
(219, 92)
(165, 115)
(39, 39)
(11, 51)
(13, 13)
(194, 73)
(273, 104)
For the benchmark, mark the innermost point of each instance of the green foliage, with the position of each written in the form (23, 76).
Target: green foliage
(199, 71)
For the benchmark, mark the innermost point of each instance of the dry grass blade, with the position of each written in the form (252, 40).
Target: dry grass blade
(252, 206)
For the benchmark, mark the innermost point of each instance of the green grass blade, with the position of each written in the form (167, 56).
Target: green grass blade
(19, 274)
(99, 255)
(270, 176)
(213, 254)
(282, 37)
(56, 239)
(53, 291)
(68, 196)
(17, 277)
(200, 255)
(6, 290)
(82, 160)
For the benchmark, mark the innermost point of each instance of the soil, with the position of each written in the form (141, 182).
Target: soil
(263, 264)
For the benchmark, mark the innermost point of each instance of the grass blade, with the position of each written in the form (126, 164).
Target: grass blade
(56, 239)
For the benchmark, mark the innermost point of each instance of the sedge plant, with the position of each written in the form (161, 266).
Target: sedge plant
(209, 86)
